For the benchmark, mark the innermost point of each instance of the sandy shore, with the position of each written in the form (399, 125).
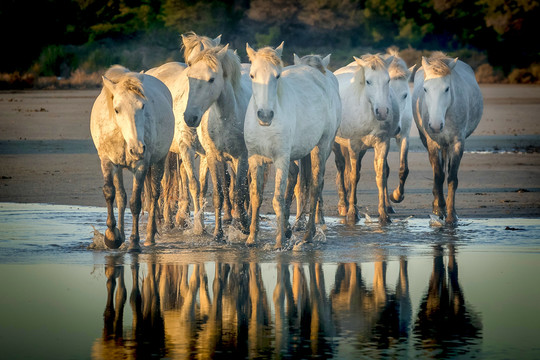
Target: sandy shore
(47, 156)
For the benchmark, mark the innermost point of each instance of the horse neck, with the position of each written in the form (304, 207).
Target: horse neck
(226, 105)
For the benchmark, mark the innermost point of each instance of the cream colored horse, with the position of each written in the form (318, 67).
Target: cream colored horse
(132, 127)
(370, 120)
(185, 143)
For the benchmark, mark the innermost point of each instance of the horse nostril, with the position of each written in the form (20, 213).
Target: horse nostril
(271, 114)
(144, 149)
(260, 114)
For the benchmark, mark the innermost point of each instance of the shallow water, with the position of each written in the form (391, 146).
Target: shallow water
(361, 291)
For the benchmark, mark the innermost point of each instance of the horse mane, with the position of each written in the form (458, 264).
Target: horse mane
(398, 70)
(230, 63)
(437, 65)
(191, 40)
(268, 54)
(375, 62)
(315, 61)
(124, 80)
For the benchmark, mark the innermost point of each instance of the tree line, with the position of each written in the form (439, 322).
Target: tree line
(55, 37)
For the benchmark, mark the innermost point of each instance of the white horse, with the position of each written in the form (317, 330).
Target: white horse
(132, 127)
(447, 107)
(293, 113)
(399, 82)
(185, 143)
(302, 186)
(370, 120)
(217, 99)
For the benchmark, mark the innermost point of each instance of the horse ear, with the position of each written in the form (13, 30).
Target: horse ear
(279, 49)
(425, 63)
(223, 51)
(297, 60)
(326, 60)
(359, 61)
(109, 85)
(452, 63)
(183, 39)
(250, 52)
(389, 60)
(412, 71)
(217, 40)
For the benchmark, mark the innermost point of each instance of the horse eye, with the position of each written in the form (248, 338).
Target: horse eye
(446, 90)
(404, 96)
(425, 90)
(368, 82)
(116, 110)
(277, 76)
(188, 63)
(211, 80)
(252, 76)
(142, 107)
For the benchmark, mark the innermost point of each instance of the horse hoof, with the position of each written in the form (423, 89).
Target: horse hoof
(149, 243)
(250, 242)
(384, 220)
(219, 238)
(288, 233)
(396, 197)
(134, 248)
(342, 210)
(113, 238)
(451, 221)
(352, 219)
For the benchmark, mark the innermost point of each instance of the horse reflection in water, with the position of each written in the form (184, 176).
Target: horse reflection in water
(376, 316)
(176, 314)
(148, 333)
(444, 326)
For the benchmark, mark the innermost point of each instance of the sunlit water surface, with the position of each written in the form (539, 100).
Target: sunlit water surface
(406, 290)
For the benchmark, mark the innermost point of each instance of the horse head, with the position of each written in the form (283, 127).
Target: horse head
(127, 107)
(266, 67)
(194, 44)
(205, 81)
(376, 83)
(437, 89)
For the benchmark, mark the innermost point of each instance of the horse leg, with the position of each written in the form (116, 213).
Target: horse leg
(301, 191)
(292, 189)
(169, 185)
(155, 177)
(387, 204)
(318, 161)
(381, 153)
(135, 205)
(121, 200)
(437, 163)
(454, 160)
(399, 193)
(257, 170)
(241, 192)
(340, 178)
(278, 202)
(217, 174)
(355, 160)
(227, 188)
(113, 237)
(188, 160)
(183, 197)
(319, 215)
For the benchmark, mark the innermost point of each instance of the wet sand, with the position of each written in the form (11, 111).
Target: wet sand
(47, 156)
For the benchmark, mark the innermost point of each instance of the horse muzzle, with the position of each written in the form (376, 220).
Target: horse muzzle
(137, 151)
(192, 120)
(381, 113)
(265, 117)
(436, 129)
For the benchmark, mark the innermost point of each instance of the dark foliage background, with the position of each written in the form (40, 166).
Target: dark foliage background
(57, 38)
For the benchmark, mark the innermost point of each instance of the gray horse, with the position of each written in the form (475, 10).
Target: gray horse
(447, 107)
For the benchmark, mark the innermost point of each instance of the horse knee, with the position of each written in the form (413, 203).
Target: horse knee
(108, 192)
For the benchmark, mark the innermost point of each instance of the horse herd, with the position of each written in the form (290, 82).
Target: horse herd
(237, 118)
